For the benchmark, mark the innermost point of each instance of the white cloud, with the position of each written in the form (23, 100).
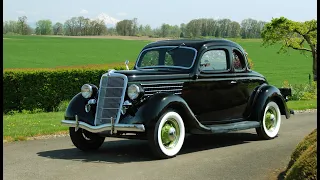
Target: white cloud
(83, 11)
(20, 12)
(121, 14)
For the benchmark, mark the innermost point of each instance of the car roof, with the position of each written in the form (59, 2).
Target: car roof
(194, 43)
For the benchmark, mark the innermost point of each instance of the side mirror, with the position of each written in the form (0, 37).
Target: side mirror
(126, 63)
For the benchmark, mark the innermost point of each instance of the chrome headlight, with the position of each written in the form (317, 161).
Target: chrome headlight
(86, 91)
(133, 91)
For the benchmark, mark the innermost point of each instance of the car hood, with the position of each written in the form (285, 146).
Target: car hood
(153, 75)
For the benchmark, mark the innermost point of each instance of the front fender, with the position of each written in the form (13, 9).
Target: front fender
(149, 113)
(264, 94)
(76, 107)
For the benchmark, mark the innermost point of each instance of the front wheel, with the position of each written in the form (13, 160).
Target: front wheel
(270, 124)
(167, 137)
(85, 140)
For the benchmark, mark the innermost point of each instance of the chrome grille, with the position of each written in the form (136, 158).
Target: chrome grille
(152, 88)
(110, 99)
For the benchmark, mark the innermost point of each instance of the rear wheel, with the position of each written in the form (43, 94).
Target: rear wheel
(85, 140)
(167, 137)
(271, 122)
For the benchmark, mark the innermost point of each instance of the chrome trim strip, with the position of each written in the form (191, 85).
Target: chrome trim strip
(163, 90)
(105, 127)
(161, 83)
(159, 47)
(146, 94)
(160, 87)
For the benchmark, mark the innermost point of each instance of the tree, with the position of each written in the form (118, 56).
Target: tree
(301, 36)
(10, 27)
(23, 26)
(183, 30)
(125, 27)
(44, 27)
(148, 30)
(57, 29)
(165, 30)
(134, 27)
(235, 29)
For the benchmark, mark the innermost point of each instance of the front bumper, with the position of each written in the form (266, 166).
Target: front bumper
(105, 127)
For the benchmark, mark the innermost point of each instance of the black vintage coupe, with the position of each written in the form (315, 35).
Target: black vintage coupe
(177, 87)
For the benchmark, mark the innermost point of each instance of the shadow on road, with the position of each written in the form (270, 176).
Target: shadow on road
(125, 151)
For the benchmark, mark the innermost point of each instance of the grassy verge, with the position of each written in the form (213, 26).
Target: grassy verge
(19, 127)
(303, 104)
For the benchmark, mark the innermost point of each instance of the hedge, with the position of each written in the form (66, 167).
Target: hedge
(45, 89)
(303, 163)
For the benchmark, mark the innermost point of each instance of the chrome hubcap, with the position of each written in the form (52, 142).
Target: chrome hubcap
(170, 133)
(271, 119)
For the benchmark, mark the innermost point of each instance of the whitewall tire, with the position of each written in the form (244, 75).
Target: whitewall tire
(271, 122)
(167, 137)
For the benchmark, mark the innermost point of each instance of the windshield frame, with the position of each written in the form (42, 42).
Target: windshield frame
(163, 66)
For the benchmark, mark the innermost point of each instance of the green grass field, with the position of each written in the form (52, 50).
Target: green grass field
(52, 52)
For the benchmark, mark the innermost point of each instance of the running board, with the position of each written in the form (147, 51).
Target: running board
(222, 128)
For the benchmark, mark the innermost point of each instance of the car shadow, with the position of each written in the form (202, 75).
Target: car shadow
(125, 151)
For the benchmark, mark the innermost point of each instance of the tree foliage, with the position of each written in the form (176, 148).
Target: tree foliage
(80, 26)
(57, 28)
(301, 36)
(44, 27)
(17, 27)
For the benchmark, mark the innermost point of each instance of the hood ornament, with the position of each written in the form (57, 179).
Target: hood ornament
(126, 63)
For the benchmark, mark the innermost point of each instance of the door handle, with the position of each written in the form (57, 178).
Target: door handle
(233, 82)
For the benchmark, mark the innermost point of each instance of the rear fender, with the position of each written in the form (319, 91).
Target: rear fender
(264, 94)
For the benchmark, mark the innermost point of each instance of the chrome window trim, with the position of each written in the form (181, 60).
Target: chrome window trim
(160, 47)
(111, 73)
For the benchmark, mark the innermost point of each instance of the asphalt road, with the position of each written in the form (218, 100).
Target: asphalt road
(238, 155)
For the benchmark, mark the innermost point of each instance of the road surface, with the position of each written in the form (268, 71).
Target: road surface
(237, 155)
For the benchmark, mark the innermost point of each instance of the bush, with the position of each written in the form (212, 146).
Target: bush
(302, 91)
(302, 146)
(63, 105)
(45, 90)
(303, 164)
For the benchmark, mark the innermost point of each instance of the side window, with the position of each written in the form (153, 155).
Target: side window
(238, 60)
(214, 60)
(151, 58)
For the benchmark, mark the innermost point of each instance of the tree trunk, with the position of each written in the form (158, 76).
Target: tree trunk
(314, 55)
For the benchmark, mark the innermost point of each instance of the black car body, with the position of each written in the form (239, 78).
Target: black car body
(177, 87)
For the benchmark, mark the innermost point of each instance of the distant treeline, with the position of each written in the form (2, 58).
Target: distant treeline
(81, 26)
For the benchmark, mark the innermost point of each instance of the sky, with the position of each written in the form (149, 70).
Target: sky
(156, 12)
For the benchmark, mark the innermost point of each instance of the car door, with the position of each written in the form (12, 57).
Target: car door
(246, 80)
(211, 96)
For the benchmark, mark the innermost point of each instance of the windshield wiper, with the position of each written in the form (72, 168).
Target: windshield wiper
(176, 47)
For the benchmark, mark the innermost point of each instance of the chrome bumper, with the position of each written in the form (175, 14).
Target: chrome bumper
(105, 127)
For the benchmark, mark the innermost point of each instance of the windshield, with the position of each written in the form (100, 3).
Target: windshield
(167, 57)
